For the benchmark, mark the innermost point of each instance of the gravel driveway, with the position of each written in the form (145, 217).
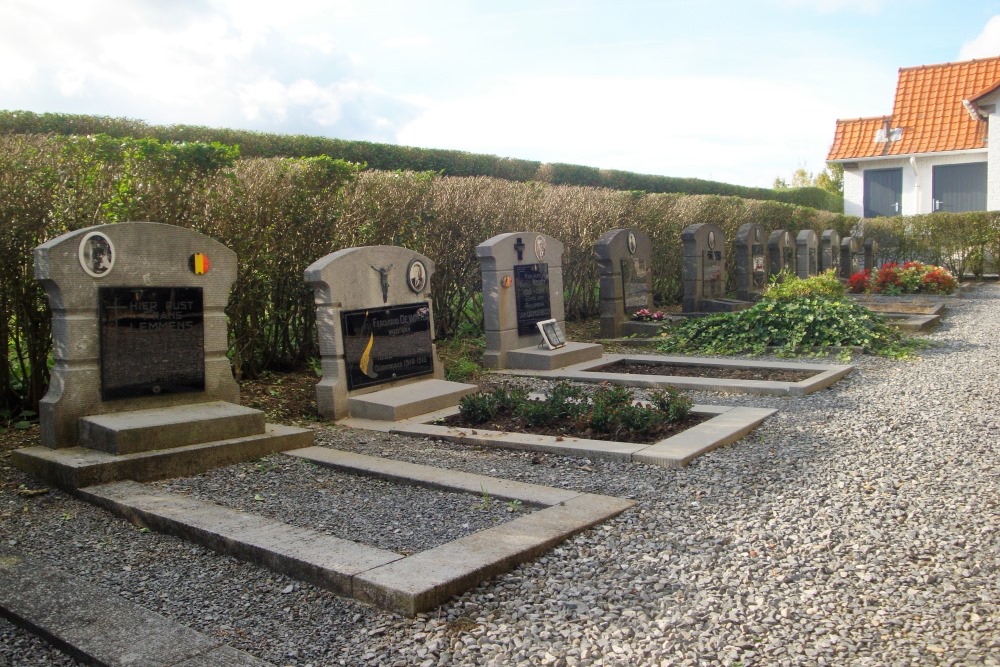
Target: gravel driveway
(858, 526)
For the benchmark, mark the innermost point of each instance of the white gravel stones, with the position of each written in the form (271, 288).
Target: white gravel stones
(858, 526)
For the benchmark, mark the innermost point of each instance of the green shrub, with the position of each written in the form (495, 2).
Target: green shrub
(672, 403)
(791, 286)
(478, 408)
(790, 325)
(609, 409)
(391, 157)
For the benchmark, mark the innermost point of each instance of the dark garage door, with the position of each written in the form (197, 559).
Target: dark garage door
(883, 192)
(959, 187)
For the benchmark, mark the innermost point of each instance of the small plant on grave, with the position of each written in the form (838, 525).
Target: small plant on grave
(478, 408)
(514, 506)
(791, 319)
(485, 502)
(647, 315)
(672, 403)
(608, 409)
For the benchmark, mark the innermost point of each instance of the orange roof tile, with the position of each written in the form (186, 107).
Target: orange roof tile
(928, 115)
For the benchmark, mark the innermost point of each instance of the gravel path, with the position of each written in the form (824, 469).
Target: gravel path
(858, 526)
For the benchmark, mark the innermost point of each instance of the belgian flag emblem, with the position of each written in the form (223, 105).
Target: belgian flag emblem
(199, 263)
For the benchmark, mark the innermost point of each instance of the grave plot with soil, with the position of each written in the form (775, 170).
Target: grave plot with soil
(743, 376)
(586, 423)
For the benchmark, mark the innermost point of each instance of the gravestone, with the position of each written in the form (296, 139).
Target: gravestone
(134, 323)
(624, 259)
(522, 286)
(375, 321)
(704, 271)
(806, 253)
(850, 259)
(870, 254)
(140, 342)
(780, 252)
(751, 262)
(829, 257)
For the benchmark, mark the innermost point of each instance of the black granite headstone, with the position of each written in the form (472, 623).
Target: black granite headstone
(152, 341)
(531, 297)
(387, 344)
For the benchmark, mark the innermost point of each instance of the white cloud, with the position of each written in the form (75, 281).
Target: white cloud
(245, 63)
(986, 44)
(720, 128)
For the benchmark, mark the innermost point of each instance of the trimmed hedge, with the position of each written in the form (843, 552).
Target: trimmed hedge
(391, 157)
(967, 244)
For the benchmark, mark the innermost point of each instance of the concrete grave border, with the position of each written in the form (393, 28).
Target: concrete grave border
(727, 425)
(825, 374)
(403, 584)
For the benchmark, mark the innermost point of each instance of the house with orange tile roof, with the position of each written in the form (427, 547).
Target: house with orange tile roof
(939, 149)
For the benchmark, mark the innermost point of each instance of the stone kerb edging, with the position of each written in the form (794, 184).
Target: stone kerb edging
(358, 278)
(824, 375)
(726, 425)
(403, 584)
(73, 267)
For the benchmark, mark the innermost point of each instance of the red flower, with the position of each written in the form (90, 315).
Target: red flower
(858, 283)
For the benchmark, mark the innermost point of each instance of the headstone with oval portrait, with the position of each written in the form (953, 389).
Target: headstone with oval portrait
(138, 321)
(829, 255)
(522, 295)
(851, 260)
(751, 262)
(780, 252)
(806, 253)
(624, 258)
(704, 268)
(376, 331)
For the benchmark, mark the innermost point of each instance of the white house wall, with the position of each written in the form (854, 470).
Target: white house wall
(917, 179)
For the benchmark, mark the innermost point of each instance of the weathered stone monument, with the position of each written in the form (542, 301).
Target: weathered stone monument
(780, 252)
(829, 256)
(375, 320)
(751, 262)
(850, 259)
(704, 271)
(523, 286)
(141, 373)
(806, 253)
(624, 263)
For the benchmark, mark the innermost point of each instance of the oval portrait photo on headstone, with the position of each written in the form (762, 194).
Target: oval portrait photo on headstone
(631, 243)
(97, 254)
(416, 276)
(540, 247)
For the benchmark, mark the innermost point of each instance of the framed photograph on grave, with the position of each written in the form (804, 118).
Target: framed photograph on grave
(97, 254)
(416, 276)
(552, 336)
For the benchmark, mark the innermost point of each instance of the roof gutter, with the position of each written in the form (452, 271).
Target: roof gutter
(907, 156)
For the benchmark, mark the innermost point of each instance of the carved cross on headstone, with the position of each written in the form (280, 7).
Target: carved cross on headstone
(383, 275)
(519, 249)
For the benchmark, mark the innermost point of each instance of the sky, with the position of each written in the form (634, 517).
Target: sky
(739, 91)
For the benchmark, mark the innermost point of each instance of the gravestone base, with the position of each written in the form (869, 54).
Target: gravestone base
(537, 359)
(159, 443)
(409, 400)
